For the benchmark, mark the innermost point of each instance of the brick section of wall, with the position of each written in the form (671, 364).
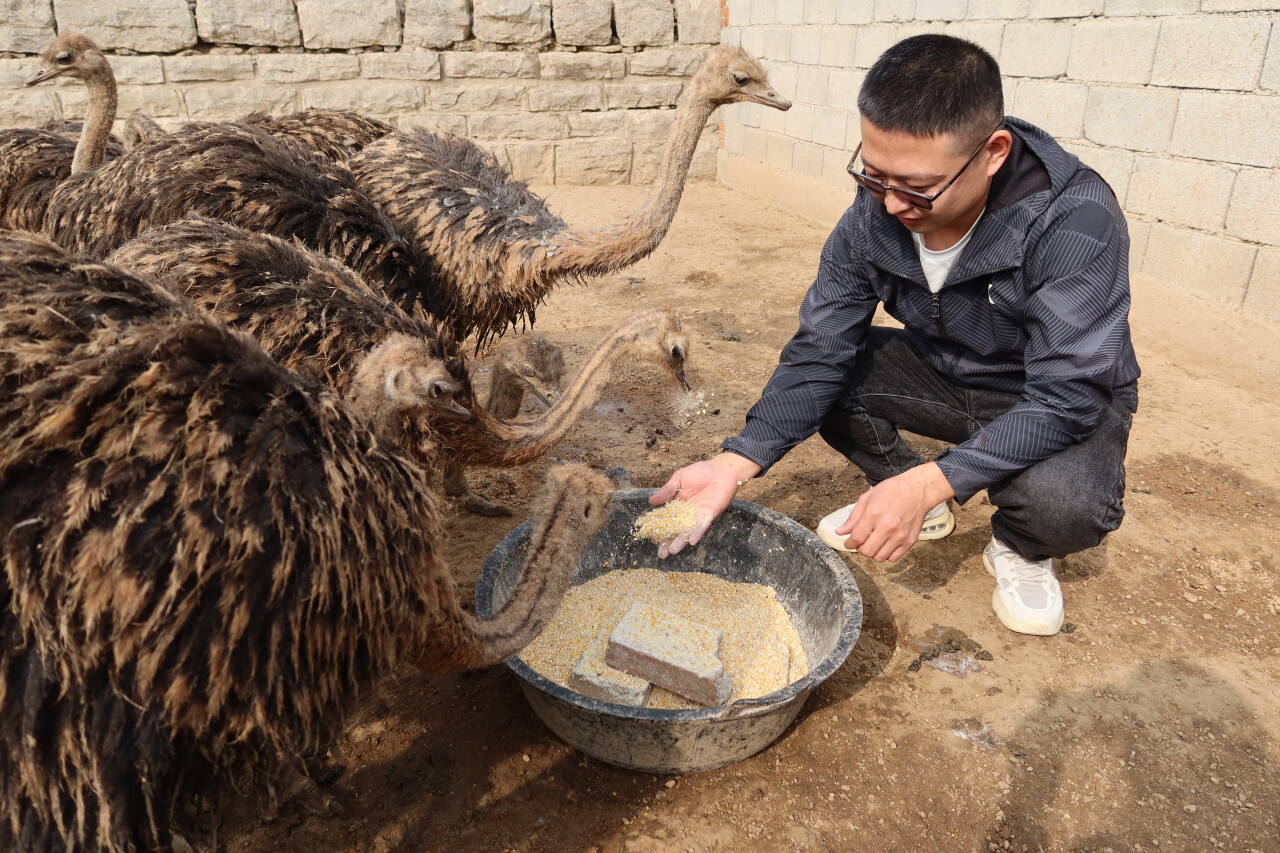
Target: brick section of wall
(570, 91)
(1174, 102)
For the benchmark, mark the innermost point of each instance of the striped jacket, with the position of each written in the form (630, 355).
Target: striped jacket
(1037, 304)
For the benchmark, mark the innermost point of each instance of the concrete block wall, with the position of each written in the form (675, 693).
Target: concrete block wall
(1175, 102)
(563, 91)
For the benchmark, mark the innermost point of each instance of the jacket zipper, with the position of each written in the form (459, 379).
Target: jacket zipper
(935, 312)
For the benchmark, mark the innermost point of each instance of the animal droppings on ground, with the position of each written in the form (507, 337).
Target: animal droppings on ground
(950, 651)
(749, 618)
(666, 522)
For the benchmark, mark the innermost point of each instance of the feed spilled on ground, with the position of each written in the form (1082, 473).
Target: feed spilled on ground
(759, 646)
(667, 521)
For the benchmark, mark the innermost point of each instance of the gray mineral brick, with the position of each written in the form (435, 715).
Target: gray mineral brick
(592, 677)
(671, 652)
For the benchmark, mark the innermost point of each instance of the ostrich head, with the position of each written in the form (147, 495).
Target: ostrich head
(729, 75)
(73, 56)
(661, 340)
(402, 377)
(535, 362)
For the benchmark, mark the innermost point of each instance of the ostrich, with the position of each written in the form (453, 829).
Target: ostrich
(529, 362)
(498, 249)
(139, 127)
(333, 134)
(236, 174)
(655, 335)
(316, 317)
(206, 559)
(33, 162)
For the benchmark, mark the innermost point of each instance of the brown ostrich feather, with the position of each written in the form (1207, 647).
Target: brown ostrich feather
(32, 163)
(205, 558)
(480, 225)
(246, 177)
(333, 134)
(312, 314)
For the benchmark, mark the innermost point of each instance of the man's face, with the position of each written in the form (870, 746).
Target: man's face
(925, 164)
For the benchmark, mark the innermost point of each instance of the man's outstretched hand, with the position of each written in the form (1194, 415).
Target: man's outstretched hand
(887, 519)
(710, 486)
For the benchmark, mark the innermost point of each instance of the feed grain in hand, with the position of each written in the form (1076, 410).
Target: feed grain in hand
(666, 522)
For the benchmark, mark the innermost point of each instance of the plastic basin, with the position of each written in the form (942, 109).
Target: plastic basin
(748, 544)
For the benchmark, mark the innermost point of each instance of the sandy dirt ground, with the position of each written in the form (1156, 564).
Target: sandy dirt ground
(1154, 725)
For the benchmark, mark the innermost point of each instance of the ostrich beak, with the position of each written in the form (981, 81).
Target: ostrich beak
(542, 398)
(43, 75)
(770, 98)
(458, 409)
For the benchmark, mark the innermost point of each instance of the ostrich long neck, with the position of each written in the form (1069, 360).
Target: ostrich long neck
(618, 246)
(467, 642)
(490, 441)
(91, 148)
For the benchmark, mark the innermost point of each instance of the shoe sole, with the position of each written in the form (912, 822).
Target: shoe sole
(934, 529)
(1007, 618)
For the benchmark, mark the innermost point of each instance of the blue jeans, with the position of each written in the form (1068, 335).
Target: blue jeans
(1058, 506)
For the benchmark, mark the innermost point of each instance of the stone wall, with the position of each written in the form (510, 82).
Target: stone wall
(1174, 102)
(570, 91)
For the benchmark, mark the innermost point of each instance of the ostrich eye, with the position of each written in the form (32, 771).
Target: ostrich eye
(741, 79)
(63, 58)
(586, 511)
(526, 369)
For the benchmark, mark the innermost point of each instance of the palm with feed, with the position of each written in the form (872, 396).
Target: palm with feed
(710, 486)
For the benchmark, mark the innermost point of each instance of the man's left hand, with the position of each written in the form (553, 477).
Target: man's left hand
(887, 519)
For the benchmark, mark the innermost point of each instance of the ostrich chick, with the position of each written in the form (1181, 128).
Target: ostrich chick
(527, 363)
(207, 559)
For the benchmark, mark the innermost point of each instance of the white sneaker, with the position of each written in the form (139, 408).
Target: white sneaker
(1027, 597)
(938, 522)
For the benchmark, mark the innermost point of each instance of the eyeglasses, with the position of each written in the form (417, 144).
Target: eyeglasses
(911, 197)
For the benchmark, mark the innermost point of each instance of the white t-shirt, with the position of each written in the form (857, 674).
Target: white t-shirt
(937, 265)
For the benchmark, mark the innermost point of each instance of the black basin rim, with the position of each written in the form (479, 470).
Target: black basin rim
(848, 637)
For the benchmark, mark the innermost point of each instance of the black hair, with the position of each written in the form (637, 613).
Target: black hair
(932, 84)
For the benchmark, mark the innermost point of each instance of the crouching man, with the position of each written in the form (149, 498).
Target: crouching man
(1006, 259)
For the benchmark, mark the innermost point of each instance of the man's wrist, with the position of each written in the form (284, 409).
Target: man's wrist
(741, 467)
(934, 483)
